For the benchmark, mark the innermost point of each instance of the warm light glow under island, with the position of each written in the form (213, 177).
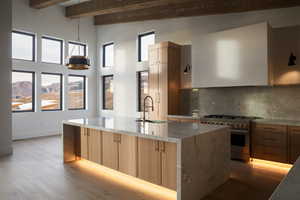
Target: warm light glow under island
(186, 160)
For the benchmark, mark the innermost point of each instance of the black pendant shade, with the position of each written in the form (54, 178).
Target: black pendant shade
(292, 60)
(78, 63)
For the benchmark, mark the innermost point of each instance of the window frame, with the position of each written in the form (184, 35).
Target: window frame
(140, 36)
(33, 44)
(139, 108)
(103, 92)
(104, 52)
(61, 91)
(33, 92)
(79, 44)
(84, 91)
(61, 49)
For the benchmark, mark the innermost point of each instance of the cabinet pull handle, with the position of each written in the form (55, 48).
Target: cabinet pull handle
(120, 139)
(163, 146)
(156, 144)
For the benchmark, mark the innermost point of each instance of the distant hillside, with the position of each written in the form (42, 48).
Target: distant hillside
(21, 89)
(24, 88)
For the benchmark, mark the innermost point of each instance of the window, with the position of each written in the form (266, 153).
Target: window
(77, 49)
(76, 92)
(108, 55)
(52, 50)
(108, 93)
(23, 91)
(144, 41)
(23, 46)
(142, 79)
(51, 94)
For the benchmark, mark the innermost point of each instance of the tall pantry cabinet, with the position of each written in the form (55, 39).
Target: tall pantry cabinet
(164, 79)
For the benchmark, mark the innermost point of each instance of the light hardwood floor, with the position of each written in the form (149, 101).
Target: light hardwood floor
(35, 172)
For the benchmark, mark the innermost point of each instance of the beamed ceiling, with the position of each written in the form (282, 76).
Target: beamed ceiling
(121, 11)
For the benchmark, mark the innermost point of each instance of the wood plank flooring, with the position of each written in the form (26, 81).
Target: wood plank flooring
(35, 172)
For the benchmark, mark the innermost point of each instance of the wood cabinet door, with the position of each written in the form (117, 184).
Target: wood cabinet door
(169, 164)
(294, 143)
(110, 150)
(269, 142)
(84, 150)
(95, 144)
(149, 161)
(128, 154)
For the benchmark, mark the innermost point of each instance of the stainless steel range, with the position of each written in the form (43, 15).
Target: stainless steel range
(240, 133)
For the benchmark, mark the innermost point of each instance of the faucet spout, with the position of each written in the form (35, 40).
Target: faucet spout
(145, 106)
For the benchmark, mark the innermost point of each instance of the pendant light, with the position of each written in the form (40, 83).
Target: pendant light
(292, 60)
(78, 62)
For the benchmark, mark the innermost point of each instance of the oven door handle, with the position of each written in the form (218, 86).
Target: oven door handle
(239, 131)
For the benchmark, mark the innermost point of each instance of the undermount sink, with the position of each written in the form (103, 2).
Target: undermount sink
(151, 121)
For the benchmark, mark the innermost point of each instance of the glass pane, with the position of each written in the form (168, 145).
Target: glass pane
(22, 46)
(51, 92)
(76, 50)
(51, 51)
(108, 92)
(76, 92)
(143, 81)
(22, 91)
(145, 42)
(109, 55)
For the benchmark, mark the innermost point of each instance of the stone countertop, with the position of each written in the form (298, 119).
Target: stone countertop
(169, 131)
(289, 188)
(278, 122)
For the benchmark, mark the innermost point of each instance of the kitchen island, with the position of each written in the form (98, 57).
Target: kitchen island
(190, 158)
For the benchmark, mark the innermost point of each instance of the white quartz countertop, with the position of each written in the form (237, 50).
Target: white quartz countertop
(170, 131)
(289, 188)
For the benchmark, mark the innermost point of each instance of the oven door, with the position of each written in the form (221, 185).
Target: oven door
(240, 147)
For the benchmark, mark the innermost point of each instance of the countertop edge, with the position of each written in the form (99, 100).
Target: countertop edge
(173, 140)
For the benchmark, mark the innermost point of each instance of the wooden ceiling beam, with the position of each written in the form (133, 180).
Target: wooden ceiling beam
(195, 8)
(103, 7)
(38, 4)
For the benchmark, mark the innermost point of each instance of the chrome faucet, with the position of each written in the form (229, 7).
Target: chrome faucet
(152, 106)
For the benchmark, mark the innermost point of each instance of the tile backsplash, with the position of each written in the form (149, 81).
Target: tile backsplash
(280, 102)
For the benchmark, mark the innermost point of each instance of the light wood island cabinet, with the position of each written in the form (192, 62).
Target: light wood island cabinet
(110, 150)
(172, 155)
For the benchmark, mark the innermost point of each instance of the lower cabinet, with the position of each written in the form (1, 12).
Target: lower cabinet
(157, 162)
(128, 155)
(91, 145)
(270, 142)
(151, 160)
(294, 141)
(120, 152)
(110, 150)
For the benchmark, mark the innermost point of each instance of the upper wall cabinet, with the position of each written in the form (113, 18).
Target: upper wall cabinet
(236, 57)
(284, 42)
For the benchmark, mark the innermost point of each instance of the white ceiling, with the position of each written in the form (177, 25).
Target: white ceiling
(72, 2)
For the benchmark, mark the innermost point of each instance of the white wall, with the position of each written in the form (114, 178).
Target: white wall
(51, 21)
(5, 78)
(179, 30)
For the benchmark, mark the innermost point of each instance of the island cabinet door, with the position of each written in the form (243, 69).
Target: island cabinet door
(128, 154)
(169, 164)
(84, 150)
(149, 161)
(94, 145)
(110, 152)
